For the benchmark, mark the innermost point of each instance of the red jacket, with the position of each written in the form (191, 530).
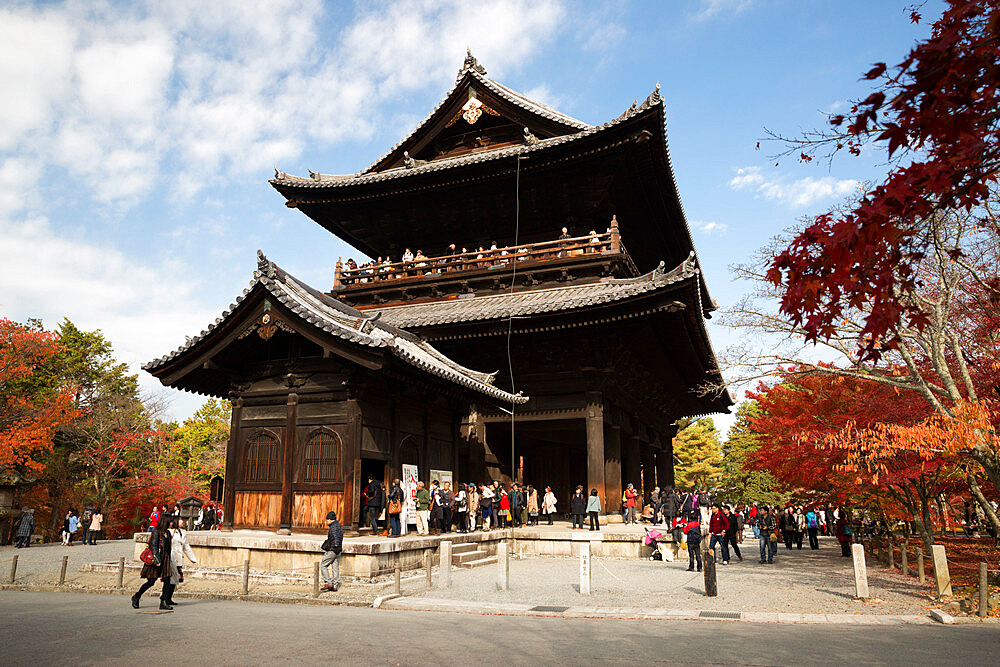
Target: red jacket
(630, 497)
(718, 524)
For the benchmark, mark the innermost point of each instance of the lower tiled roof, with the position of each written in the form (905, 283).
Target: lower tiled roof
(536, 301)
(342, 321)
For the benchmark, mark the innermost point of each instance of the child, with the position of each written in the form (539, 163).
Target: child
(693, 531)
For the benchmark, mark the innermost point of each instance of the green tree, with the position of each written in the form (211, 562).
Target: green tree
(740, 482)
(699, 454)
(200, 442)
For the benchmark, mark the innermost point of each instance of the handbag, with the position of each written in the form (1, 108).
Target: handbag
(508, 515)
(395, 507)
(146, 556)
(774, 538)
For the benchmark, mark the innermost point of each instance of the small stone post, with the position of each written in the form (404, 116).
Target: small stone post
(711, 585)
(904, 561)
(316, 579)
(246, 578)
(860, 571)
(920, 566)
(503, 566)
(13, 568)
(941, 575)
(397, 583)
(62, 572)
(444, 572)
(121, 572)
(584, 568)
(428, 561)
(892, 556)
(984, 592)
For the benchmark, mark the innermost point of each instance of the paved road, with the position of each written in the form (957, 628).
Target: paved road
(58, 628)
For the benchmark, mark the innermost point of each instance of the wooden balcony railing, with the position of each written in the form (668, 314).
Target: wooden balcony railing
(426, 267)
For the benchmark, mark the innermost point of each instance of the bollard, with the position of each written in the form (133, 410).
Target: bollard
(444, 571)
(941, 576)
(121, 572)
(892, 561)
(904, 565)
(316, 579)
(860, 571)
(13, 568)
(711, 586)
(984, 593)
(584, 568)
(62, 572)
(397, 588)
(503, 566)
(246, 578)
(428, 560)
(920, 566)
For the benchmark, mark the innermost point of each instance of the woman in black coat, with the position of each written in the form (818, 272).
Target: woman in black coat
(159, 544)
(578, 507)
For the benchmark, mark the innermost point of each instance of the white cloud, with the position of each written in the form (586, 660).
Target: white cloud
(709, 228)
(109, 92)
(711, 8)
(797, 194)
(144, 308)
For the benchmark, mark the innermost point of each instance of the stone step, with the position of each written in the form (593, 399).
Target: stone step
(464, 547)
(468, 556)
(476, 563)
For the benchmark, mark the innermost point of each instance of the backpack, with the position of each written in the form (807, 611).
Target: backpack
(812, 520)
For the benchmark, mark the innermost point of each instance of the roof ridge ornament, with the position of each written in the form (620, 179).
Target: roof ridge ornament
(470, 63)
(529, 138)
(652, 100)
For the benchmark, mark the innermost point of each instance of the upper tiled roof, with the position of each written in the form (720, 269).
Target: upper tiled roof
(474, 72)
(342, 321)
(317, 180)
(535, 302)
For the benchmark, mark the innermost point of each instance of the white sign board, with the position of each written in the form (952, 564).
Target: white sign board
(442, 476)
(409, 496)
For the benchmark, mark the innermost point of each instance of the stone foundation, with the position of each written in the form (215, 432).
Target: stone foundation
(372, 556)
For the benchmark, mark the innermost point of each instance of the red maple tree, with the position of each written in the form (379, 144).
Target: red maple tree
(937, 116)
(30, 410)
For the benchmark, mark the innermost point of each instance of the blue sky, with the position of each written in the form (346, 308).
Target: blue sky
(138, 137)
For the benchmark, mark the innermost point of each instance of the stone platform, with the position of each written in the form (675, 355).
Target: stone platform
(370, 556)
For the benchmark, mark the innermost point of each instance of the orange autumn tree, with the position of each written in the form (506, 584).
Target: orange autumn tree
(31, 410)
(916, 461)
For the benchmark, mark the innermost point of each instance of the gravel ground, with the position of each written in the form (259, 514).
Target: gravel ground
(798, 582)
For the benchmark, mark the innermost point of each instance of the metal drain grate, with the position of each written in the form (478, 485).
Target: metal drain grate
(720, 614)
(547, 608)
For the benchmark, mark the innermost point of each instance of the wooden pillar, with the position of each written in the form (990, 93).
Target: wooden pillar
(353, 452)
(630, 462)
(288, 465)
(232, 464)
(595, 442)
(612, 467)
(616, 239)
(665, 470)
(337, 282)
(648, 475)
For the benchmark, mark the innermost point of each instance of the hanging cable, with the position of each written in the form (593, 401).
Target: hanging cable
(510, 311)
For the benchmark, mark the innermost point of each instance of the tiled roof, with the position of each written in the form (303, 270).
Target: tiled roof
(536, 302)
(317, 180)
(342, 321)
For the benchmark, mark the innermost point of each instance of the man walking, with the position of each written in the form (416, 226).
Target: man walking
(332, 548)
(766, 526)
(437, 512)
(718, 525)
(812, 525)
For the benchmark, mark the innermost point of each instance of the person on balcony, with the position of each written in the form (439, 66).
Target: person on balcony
(407, 256)
(563, 237)
(595, 242)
